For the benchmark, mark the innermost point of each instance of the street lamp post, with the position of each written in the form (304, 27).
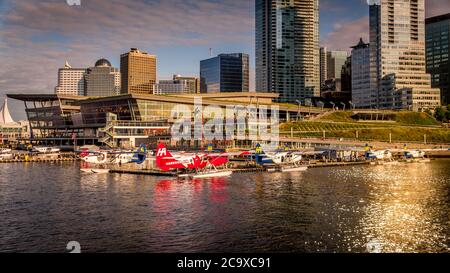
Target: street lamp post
(322, 105)
(299, 105)
(352, 106)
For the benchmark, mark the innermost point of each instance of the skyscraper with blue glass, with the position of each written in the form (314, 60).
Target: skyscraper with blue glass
(225, 73)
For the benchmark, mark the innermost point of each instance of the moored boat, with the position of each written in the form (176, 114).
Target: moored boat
(209, 174)
(97, 171)
(294, 169)
(6, 154)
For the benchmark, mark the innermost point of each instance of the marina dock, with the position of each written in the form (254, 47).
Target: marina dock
(237, 165)
(337, 164)
(37, 160)
(43, 158)
(234, 170)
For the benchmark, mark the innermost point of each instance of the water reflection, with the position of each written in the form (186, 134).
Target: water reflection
(405, 208)
(405, 213)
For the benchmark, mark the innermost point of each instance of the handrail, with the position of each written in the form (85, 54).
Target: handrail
(139, 123)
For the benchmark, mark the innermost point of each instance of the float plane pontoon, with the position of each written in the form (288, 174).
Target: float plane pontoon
(202, 165)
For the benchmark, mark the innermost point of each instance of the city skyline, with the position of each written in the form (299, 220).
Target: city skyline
(183, 129)
(178, 32)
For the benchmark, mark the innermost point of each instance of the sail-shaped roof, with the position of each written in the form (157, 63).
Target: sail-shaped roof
(5, 116)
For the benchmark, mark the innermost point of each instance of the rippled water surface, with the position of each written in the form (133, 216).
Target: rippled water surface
(402, 208)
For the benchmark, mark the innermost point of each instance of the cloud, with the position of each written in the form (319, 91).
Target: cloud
(36, 37)
(45, 33)
(331, 6)
(346, 34)
(437, 7)
(158, 22)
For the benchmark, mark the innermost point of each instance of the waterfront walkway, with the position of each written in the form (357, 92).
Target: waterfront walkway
(340, 142)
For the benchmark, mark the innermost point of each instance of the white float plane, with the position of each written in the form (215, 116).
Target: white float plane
(46, 150)
(115, 157)
(6, 154)
(379, 155)
(288, 161)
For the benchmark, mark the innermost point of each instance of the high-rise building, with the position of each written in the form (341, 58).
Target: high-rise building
(323, 65)
(138, 72)
(438, 50)
(194, 82)
(178, 85)
(225, 73)
(333, 85)
(397, 44)
(287, 48)
(335, 61)
(71, 81)
(346, 75)
(103, 80)
(361, 91)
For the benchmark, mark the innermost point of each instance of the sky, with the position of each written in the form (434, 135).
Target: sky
(37, 37)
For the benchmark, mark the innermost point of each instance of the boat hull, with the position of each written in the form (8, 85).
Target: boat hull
(6, 156)
(424, 161)
(98, 171)
(295, 169)
(212, 174)
(391, 163)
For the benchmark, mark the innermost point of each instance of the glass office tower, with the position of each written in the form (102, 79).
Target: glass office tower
(361, 95)
(225, 73)
(287, 48)
(335, 61)
(438, 50)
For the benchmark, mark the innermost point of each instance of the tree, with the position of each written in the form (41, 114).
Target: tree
(447, 115)
(439, 114)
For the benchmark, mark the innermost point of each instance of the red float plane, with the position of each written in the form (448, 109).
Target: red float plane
(192, 161)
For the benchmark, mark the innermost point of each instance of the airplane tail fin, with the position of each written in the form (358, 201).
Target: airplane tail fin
(259, 159)
(162, 151)
(162, 155)
(259, 149)
(140, 155)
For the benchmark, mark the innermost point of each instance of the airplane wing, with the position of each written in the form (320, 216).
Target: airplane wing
(102, 151)
(397, 150)
(230, 154)
(435, 150)
(217, 159)
(309, 153)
